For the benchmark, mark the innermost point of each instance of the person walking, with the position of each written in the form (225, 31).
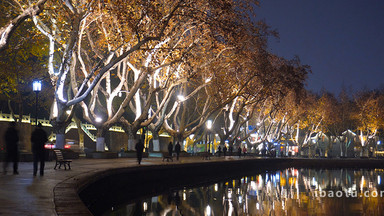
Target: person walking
(219, 150)
(38, 139)
(230, 150)
(170, 149)
(225, 150)
(11, 138)
(139, 151)
(244, 151)
(177, 150)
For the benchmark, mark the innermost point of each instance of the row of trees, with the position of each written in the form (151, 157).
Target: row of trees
(166, 66)
(301, 120)
(173, 64)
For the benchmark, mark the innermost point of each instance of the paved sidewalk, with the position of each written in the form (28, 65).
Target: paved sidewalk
(24, 194)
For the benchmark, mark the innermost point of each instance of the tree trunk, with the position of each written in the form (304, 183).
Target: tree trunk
(81, 140)
(341, 148)
(131, 143)
(131, 139)
(80, 132)
(100, 144)
(156, 142)
(100, 140)
(362, 152)
(60, 135)
(60, 140)
(59, 123)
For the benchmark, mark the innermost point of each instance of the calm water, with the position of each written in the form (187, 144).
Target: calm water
(287, 192)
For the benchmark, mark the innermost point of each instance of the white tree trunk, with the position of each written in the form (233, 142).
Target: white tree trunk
(100, 144)
(131, 144)
(60, 141)
(341, 149)
(156, 145)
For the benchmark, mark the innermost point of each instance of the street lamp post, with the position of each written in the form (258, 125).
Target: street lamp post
(36, 89)
(209, 127)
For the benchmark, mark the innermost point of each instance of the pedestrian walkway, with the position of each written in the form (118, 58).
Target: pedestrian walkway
(24, 194)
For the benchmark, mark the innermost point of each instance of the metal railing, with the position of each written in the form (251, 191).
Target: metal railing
(46, 123)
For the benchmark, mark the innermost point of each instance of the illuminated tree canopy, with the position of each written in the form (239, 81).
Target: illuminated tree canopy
(171, 66)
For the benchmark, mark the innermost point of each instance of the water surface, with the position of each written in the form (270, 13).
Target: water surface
(286, 192)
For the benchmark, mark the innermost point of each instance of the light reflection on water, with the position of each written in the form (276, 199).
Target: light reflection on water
(286, 192)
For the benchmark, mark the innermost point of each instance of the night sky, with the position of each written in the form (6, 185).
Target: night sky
(342, 40)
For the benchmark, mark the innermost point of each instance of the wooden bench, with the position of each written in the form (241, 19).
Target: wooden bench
(167, 157)
(60, 160)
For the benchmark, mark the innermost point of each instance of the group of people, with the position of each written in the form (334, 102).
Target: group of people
(225, 149)
(177, 149)
(140, 147)
(38, 139)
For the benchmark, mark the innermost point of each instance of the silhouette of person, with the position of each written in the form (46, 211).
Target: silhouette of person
(239, 151)
(230, 150)
(38, 139)
(11, 138)
(177, 199)
(219, 150)
(244, 151)
(177, 150)
(225, 150)
(139, 151)
(170, 149)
